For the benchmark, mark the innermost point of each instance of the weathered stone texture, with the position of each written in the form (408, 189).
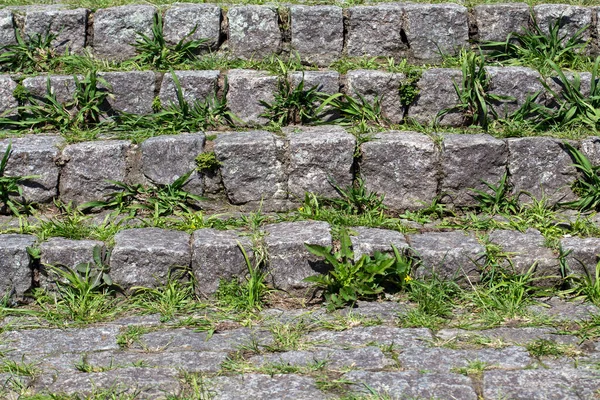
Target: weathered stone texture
(496, 21)
(467, 162)
(516, 83)
(190, 361)
(379, 85)
(250, 166)
(88, 166)
(246, 89)
(253, 31)
(317, 33)
(590, 147)
(8, 103)
(289, 260)
(62, 86)
(325, 81)
(583, 254)
(37, 156)
(403, 167)
(257, 386)
(398, 338)
(15, 265)
(7, 29)
(375, 31)
(436, 93)
(371, 240)
(436, 29)
(69, 26)
(146, 256)
(195, 86)
(181, 19)
(320, 157)
(572, 19)
(132, 92)
(116, 29)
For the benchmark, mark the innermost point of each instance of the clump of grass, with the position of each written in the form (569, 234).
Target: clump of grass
(32, 54)
(11, 192)
(587, 187)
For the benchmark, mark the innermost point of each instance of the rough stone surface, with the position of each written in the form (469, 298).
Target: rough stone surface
(448, 254)
(583, 254)
(509, 336)
(8, 103)
(325, 81)
(467, 162)
(562, 310)
(7, 29)
(87, 168)
(403, 167)
(246, 89)
(399, 338)
(191, 361)
(540, 167)
(116, 30)
(255, 386)
(34, 155)
(414, 384)
(195, 86)
(146, 256)
(436, 93)
(434, 30)
(320, 157)
(69, 26)
(516, 83)
(371, 240)
(379, 85)
(590, 147)
(132, 91)
(250, 166)
(181, 19)
(572, 19)
(216, 255)
(496, 21)
(317, 33)
(177, 340)
(15, 265)
(62, 86)
(253, 31)
(375, 31)
(167, 158)
(290, 261)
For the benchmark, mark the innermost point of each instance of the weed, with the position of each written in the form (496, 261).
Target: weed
(207, 162)
(288, 336)
(473, 368)
(434, 296)
(500, 200)
(195, 387)
(420, 319)
(10, 190)
(32, 54)
(18, 368)
(586, 286)
(545, 347)
(356, 111)
(588, 185)
(131, 336)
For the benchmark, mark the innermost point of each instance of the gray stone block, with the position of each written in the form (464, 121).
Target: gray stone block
(370, 240)
(396, 338)
(62, 86)
(542, 168)
(8, 103)
(452, 255)
(572, 19)
(246, 89)
(378, 84)
(183, 18)
(496, 21)
(402, 166)
(467, 162)
(526, 250)
(69, 26)
(16, 274)
(436, 29)
(253, 31)
(116, 29)
(436, 92)
(38, 156)
(376, 31)
(216, 255)
(195, 86)
(7, 29)
(326, 82)
(583, 254)
(166, 158)
(289, 260)
(132, 91)
(251, 166)
(508, 335)
(317, 33)
(320, 156)
(590, 147)
(146, 256)
(515, 82)
(258, 386)
(87, 168)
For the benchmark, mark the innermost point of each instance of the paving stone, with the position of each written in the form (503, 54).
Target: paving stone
(167, 158)
(69, 26)
(253, 31)
(509, 336)
(15, 264)
(138, 320)
(542, 168)
(412, 384)
(438, 359)
(183, 18)
(562, 310)
(367, 358)
(196, 86)
(62, 86)
(34, 155)
(467, 162)
(572, 19)
(496, 21)
(87, 168)
(146, 256)
(402, 166)
(255, 386)
(514, 82)
(400, 338)
(317, 33)
(7, 29)
(189, 361)
(132, 91)
(371, 240)
(246, 89)
(436, 93)
(116, 29)
(583, 254)
(376, 31)
(217, 255)
(541, 384)
(382, 85)
(251, 166)
(384, 311)
(8, 103)
(434, 30)
(320, 157)
(448, 254)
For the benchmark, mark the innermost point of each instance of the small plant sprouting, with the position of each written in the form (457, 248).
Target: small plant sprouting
(10, 190)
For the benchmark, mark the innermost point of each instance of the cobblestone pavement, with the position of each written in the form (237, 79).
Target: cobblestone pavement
(359, 353)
